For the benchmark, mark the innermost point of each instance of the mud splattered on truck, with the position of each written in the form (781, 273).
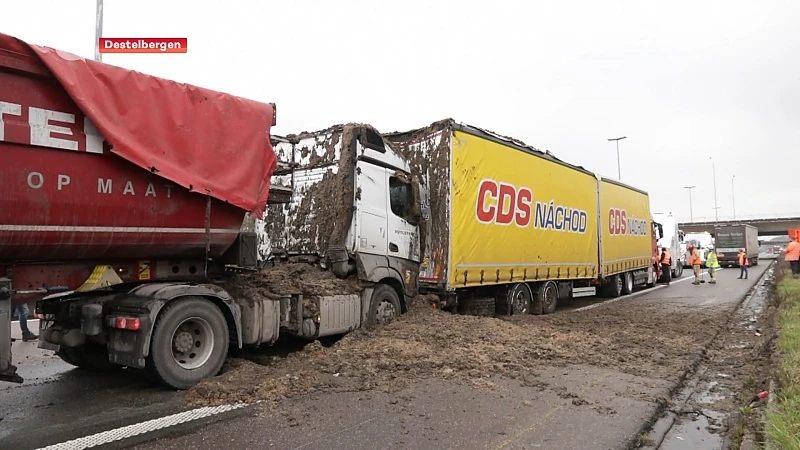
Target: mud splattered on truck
(428, 152)
(321, 166)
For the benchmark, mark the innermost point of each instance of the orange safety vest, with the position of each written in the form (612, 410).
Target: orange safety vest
(695, 259)
(793, 251)
(743, 261)
(665, 258)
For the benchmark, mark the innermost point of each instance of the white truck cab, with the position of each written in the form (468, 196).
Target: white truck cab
(671, 240)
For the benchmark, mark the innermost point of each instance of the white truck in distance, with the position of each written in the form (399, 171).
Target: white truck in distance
(671, 240)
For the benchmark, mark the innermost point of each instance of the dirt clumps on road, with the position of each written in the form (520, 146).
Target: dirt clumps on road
(646, 340)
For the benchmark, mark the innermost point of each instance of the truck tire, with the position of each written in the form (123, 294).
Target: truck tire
(189, 343)
(89, 357)
(384, 306)
(613, 288)
(677, 273)
(548, 297)
(519, 299)
(627, 283)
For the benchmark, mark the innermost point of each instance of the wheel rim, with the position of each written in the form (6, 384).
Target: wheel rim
(385, 312)
(521, 300)
(192, 343)
(550, 296)
(619, 283)
(629, 282)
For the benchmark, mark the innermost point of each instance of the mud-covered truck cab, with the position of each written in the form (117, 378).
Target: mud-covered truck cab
(133, 214)
(355, 211)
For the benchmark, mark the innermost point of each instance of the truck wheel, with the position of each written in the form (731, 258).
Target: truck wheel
(90, 357)
(62, 353)
(519, 297)
(384, 305)
(677, 273)
(627, 283)
(548, 296)
(189, 343)
(613, 288)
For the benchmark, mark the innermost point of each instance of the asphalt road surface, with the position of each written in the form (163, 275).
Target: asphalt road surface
(63, 407)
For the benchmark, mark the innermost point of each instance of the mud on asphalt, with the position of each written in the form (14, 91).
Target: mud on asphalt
(652, 340)
(720, 396)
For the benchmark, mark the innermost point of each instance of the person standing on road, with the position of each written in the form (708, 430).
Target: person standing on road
(713, 264)
(666, 265)
(743, 263)
(695, 262)
(22, 312)
(793, 255)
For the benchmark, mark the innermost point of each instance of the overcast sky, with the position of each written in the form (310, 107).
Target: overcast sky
(683, 80)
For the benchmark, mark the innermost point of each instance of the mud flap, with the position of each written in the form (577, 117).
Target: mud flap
(8, 372)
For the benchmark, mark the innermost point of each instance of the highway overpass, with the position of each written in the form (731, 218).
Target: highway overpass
(767, 226)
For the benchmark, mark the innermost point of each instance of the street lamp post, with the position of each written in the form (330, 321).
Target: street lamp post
(691, 214)
(98, 30)
(619, 172)
(733, 195)
(714, 177)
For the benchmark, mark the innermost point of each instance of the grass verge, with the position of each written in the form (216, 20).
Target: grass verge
(783, 418)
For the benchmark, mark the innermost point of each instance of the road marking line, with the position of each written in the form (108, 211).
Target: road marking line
(118, 434)
(636, 294)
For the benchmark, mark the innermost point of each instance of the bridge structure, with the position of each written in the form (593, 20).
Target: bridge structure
(767, 226)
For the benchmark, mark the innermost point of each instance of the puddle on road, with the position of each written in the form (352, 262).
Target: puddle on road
(693, 433)
(703, 405)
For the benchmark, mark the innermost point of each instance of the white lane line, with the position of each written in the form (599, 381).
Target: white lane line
(636, 294)
(30, 321)
(125, 432)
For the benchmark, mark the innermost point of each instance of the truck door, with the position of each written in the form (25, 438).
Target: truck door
(371, 209)
(403, 241)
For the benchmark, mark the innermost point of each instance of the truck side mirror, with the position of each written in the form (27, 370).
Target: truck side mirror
(415, 212)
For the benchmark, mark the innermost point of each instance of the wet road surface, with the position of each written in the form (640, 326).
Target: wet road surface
(582, 406)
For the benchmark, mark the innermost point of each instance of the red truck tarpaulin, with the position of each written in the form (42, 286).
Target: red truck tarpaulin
(206, 141)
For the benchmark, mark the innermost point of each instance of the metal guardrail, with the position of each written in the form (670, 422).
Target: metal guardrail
(706, 220)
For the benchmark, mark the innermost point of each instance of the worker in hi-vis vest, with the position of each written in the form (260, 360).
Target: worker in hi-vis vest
(712, 262)
(744, 263)
(666, 265)
(793, 255)
(695, 262)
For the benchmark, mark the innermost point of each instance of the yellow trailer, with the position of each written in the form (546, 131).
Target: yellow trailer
(513, 229)
(626, 237)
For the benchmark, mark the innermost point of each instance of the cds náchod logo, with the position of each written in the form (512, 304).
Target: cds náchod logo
(619, 224)
(501, 203)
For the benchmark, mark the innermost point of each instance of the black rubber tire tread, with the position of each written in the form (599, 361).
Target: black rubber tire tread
(530, 298)
(612, 288)
(551, 307)
(482, 306)
(160, 363)
(625, 290)
(66, 357)
(382, 292)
